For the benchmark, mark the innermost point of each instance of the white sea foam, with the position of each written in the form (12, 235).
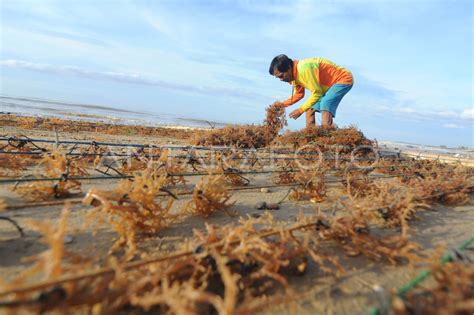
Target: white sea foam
(97, 113)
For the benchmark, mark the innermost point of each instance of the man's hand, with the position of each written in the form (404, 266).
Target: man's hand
(296, 113)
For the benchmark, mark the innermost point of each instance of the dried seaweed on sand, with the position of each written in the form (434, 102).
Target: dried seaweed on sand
(209, 195)
(54, 261)
(246, 136)
(54, 164)
(313, 186)
(452, 292)
(345, 139)
(132, 208)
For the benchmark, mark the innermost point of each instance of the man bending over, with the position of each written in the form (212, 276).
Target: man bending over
(327, 82)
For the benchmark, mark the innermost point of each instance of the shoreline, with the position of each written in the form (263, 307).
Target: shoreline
(9, 123)
(99, 119)
(184, 133)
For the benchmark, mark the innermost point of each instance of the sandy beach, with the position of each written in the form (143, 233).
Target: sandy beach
(317, 293)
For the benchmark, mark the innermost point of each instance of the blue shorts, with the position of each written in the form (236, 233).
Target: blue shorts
(331, 99)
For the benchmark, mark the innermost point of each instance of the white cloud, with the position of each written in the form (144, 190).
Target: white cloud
(453, 126)
(134, 78)
(162, 24)
(407, 110)
(194, 46)
(468, 114)
(445, 114)
(396, 108)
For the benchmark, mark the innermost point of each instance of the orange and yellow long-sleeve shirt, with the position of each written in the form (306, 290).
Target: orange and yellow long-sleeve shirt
(316, 75)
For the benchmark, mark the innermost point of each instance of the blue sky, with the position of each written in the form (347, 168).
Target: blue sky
(412, 60)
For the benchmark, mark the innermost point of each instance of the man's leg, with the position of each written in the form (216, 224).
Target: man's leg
(330, 101)
(326, 119)
(310, 118)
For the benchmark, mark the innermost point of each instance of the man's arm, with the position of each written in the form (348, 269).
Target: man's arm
(315, 96)
(310, 75)
(296, 96)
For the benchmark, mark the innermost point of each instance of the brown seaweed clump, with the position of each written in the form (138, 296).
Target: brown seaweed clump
(210, 195)
(322, 136)
(132, 208)
(65, 125)
(246, 136)
(313, 186)
(54, 164)
(452, 293)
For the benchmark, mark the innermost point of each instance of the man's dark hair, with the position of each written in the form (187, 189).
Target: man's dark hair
(281, 62)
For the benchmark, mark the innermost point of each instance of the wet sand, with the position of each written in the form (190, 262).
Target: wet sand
(318, 293)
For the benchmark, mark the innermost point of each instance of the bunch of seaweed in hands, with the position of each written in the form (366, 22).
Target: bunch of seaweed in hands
(274, 121)
(133, 208)
(246, 136)
(54, 164)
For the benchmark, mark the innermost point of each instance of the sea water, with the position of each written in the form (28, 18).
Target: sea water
(96, 113)
(105, 114)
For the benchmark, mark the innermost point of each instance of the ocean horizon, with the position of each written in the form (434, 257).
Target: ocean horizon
(28, 106)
